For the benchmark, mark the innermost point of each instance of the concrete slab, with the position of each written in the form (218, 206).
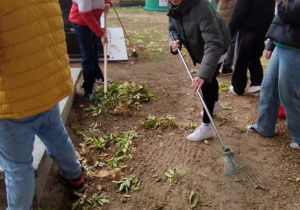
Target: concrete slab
(41, 161)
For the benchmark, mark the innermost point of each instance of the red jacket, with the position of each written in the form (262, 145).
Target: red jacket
(88, 13)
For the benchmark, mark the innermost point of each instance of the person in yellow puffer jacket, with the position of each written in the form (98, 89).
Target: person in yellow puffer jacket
(34, 77)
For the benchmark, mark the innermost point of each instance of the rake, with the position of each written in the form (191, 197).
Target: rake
(233, 166)
(134, 53)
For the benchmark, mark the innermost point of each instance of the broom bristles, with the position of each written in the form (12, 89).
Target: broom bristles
(134, 53)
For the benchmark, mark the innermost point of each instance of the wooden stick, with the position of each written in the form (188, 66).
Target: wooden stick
(105, 58)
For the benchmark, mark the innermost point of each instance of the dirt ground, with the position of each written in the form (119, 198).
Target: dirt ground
(155, 152)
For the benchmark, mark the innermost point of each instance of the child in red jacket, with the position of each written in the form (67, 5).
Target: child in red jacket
(85, 17)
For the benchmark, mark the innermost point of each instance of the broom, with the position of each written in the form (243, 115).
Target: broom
(134, 53)
(233, 166)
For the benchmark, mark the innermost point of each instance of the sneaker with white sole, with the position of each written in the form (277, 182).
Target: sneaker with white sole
(253, 89)
(295, 145)
(99, 81)
(200, 133)
(217, 108)
(250, 128)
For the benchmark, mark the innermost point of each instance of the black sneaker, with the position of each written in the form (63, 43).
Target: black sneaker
(76, 184)
(227, 71)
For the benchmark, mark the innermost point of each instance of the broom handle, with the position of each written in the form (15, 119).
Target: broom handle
(225, 147)
(122, 27)
(105, 58)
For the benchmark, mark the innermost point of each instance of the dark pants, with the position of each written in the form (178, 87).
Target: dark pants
(230, 54)
(88, 42)
(210, 92)
(249, 49)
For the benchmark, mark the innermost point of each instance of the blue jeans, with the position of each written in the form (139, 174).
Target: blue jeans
(16, 146)
(89, 47)
(280, 85)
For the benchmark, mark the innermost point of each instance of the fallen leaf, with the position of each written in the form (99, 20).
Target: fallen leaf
(85, 149)
(117, 175)
(104, 154)
(84, 116)
(102, 173)
(99, 187)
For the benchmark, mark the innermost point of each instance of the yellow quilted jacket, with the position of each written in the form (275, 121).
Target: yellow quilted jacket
(34, 65)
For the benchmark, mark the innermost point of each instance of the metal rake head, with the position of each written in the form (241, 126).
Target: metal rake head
(242, 172)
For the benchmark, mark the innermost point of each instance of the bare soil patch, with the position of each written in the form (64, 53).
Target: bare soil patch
(154, 152)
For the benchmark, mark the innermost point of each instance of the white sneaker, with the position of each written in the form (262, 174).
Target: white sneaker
(200, 133)
(295, 145)
(253, 89)
(217, 108)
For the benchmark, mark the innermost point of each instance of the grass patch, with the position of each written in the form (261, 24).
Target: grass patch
(224, 87)
(121, 98)
(127, 184)
(173, 175)
(93, 202)
(159, 123)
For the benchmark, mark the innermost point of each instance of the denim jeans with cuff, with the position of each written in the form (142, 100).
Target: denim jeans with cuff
(16, 147)
(280, 84)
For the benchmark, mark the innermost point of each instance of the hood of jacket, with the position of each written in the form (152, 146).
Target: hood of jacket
(175, 11)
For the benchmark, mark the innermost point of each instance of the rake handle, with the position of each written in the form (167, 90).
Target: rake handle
(225, 147)
(122, 27)
(105, 58)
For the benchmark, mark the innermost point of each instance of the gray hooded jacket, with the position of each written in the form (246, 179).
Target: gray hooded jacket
(202, 31)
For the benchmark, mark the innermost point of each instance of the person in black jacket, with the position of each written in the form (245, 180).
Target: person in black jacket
(281, 81)
(250, 21)
(196, 25)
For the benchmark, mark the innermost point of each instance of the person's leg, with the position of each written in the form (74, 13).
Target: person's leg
(58, 144)
(289, 89)
(85, 39)
(97, 71)
(243, 54)
(269, 98)
(16, 146)
(228, 62)
(255, 67)
(210, 92)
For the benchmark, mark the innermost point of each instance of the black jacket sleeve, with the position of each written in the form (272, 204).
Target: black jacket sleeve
(172, 30)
